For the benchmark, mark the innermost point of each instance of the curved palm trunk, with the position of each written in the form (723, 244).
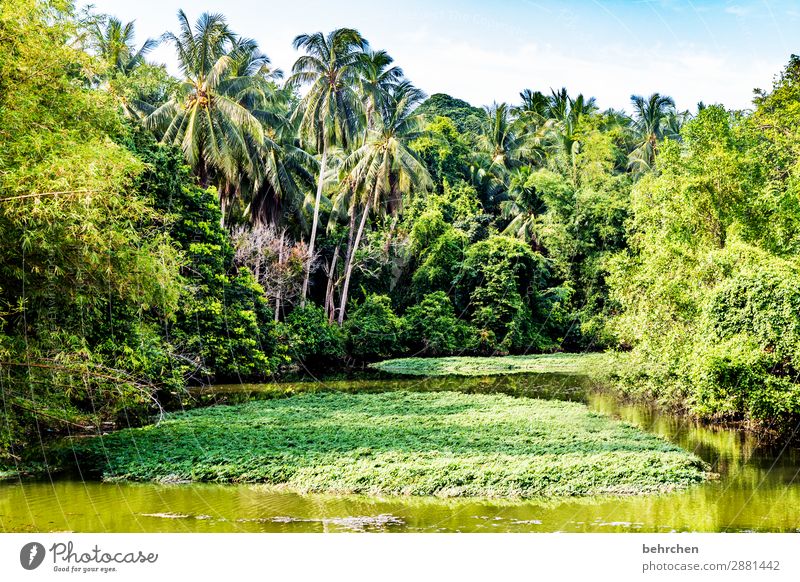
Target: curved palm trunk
(329, 303)
(350, 262)
(322, 164)
(351, 235)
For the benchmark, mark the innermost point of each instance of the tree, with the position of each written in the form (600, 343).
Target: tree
(431, 327)
(378, 77)
(276, 261)
(651, 117)
(208, 116)
(468, 119)
(535, 106)
(114, 44)
(374, 331)
(87, 273)
(500, 139)
(564, 139)
(523, 208)
(503, 285)
(385, 169)
(331, 109)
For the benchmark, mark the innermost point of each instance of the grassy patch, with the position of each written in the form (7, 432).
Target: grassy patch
(439, 443)
(590, 364)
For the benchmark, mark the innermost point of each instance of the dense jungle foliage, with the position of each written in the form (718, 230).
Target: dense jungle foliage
(231, 224)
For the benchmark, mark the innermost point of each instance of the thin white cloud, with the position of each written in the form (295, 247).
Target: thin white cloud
(611, 74)
(739, 11)
(484, 55)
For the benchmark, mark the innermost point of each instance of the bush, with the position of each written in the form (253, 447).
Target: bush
(373, 330)
(440, 251)
(313, 340)
(763, 302)
(224, 319)
(738, 379)
(432, 328)
(746, 362)
(503, 285)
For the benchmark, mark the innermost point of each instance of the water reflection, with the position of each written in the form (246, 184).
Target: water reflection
(758, 488)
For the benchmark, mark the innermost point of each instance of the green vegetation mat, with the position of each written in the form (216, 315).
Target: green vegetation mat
(592, 363)
(443, 443)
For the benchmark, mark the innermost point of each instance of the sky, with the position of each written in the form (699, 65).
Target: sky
(484, 52)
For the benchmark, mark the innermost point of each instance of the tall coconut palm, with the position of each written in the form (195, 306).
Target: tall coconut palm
(208, 117)
(378, 77)
(288, 172)
(332, 112)
(565, 114)
(114, 44)
(259, 172)
(558, 104)
(650, 123)
(384, 169)
(501, 140)
(278, 169)
(535, 104)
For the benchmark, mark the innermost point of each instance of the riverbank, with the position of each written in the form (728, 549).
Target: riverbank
(592, 364)
(400, 443)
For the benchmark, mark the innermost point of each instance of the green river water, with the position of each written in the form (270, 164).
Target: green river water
(758, 488)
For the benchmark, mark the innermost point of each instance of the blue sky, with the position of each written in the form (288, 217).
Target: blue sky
(489, 51)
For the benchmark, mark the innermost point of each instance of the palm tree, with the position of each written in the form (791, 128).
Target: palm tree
(288, 172)
(208, 117)
(378, 77)
(331, 110)
(114, 44)
(384, 168)
(523, 208)
(280, 168)
(535, 104)
(500, 139)
(650, 122)
(558, 104)
(565, 114)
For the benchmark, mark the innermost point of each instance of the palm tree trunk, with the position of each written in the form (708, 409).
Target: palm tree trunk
(202, 170)
(322, 163)
(350, 262)
(280, 280)
(329, 304)
(351, 235)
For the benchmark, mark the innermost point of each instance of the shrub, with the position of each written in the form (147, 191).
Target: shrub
(224, 319)
(313, 340)
(373, 330)
(432, 328)
(503, 285)
(746, 361)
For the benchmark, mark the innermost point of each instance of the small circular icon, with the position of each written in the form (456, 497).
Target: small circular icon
(31, 555)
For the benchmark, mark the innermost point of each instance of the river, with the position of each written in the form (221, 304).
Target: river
(758, 488)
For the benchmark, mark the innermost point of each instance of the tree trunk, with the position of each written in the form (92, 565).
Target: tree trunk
(223, 204)
(202, 170)
(329, 304)
(322, 163)
(351, 235)
(224, 198)
(349, 269)
(280, 278)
